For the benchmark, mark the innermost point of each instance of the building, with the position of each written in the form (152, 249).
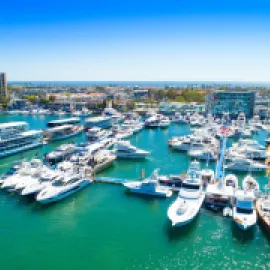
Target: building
(3, 85)
(179, 107)
(230, 102)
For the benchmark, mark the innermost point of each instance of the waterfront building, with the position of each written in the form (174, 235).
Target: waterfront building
(179, 107)
(3, 85)
(231, 102)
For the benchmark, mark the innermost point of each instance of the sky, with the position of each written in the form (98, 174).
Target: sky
(135, 40)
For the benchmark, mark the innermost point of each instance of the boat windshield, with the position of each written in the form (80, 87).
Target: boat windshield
(244, 211)
(189, 186)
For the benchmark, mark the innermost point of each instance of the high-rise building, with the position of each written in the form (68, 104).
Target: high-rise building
(3, 85)
(231, 102)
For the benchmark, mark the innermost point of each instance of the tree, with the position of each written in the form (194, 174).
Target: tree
(31, 98)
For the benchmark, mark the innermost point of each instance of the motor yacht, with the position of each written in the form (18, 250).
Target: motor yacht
(45, 179)
(244, 164)
(96, 134)
(120, 133)
(205, 153)
(123, 149)
(98, 121)
(150, 186)
(244, 214)
(62, 187)
(180, 119)
(60, 153)
(61, 132)
(190, 198)
(24, 173)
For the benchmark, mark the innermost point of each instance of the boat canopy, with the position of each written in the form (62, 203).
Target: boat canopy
(244, 204)
(60, 122)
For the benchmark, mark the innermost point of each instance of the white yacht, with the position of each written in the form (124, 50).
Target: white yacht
(244, 164)
(113, 114)
(244, 214)
(190, 198)
(62, 187)
(123, 149)
(98, 121)
(61, 152)
(121, 133)
(96, 134)
(24, 173)
(15, 138)
(205, 153)
(180, 119)
(157, 120)
(150, 186)
(45, 179)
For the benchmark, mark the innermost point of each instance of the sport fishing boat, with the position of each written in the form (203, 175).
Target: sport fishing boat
(190, 198)
(60, 153)
(244, 214)
(15, 138)
(61, 132)
(149, 186)
(62, 187)
(98, 121)
(123, 149)
(244, 164)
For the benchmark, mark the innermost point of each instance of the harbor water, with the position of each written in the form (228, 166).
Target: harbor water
(103, 227)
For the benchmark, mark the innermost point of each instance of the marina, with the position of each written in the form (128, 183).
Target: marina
(173, 164)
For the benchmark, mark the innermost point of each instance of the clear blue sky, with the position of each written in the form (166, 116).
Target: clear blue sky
(135, 40)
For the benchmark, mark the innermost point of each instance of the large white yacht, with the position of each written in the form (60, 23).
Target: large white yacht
(123, 149)
(98, 121)
(15, 138)
(244, 164)
(62, 187)
(150, 186)
(244, 213)
(190, 198)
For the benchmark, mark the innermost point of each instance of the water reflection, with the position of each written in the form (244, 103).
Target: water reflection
(243, 236)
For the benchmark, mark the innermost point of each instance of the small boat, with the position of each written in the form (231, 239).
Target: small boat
(251, 185)
(62, 187)
(244, 214)
(190, 198)
(149, 186)
(231, 180)
(123, 149)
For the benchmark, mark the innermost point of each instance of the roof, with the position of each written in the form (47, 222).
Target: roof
(31, 132)
(12, 124)
(59, 128)
(219, 190)
(244, 204)
(66, 120)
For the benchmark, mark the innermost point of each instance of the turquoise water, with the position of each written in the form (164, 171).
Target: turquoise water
(102, 227)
